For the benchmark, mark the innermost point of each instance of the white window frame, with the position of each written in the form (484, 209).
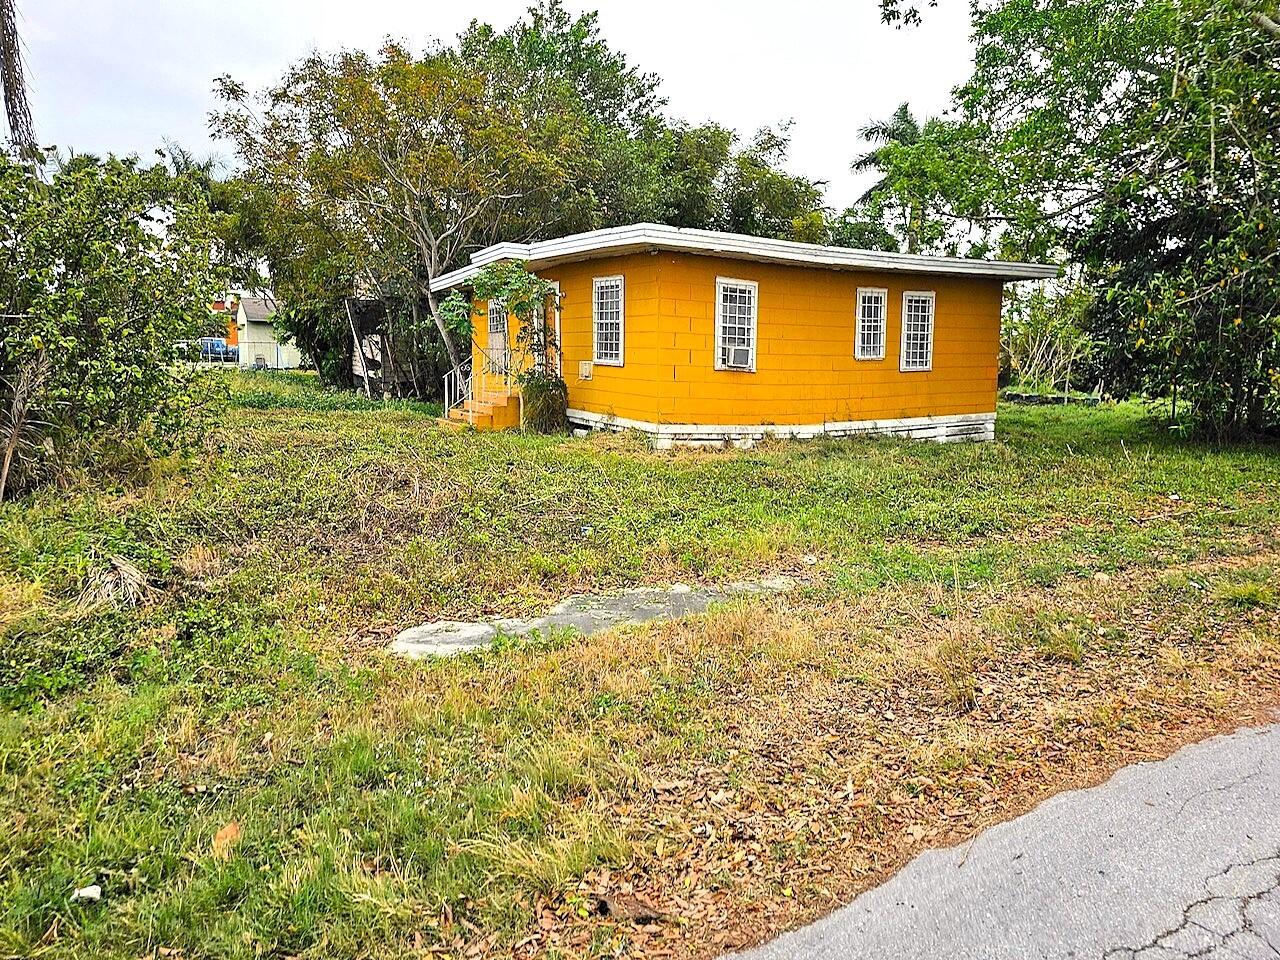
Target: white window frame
(933, 324)
(883, 294)
(497, 306)
(596, 284)
(721, 283)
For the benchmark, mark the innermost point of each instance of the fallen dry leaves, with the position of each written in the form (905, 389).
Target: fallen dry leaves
(225, 839)
(832, 778)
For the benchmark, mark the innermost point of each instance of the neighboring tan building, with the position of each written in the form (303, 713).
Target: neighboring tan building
(697, 336)
(257, 340)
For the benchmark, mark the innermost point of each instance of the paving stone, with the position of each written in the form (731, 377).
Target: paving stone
(585, 614)
(444, 638)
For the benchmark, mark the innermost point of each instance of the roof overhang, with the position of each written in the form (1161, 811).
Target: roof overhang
(646, 237)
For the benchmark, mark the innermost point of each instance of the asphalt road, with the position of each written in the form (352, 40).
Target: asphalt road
(1167, 860)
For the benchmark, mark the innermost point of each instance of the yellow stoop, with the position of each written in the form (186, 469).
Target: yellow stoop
(492, 411)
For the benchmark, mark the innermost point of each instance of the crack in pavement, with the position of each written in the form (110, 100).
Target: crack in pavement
(1220, 924)
(1219, 788)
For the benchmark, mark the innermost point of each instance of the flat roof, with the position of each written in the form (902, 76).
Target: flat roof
(641, 237)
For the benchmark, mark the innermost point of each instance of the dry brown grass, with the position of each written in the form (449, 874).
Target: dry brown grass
(848, 746)
(117, 582)
(199, 562)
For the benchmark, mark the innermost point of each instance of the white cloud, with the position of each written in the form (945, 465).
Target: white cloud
(122, 76)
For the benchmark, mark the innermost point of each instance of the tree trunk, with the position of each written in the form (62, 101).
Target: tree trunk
(1267, 24)
(25, 386)
(11, 444)
(13, 80)
(357, 345)
(417, 348)
(445, 333)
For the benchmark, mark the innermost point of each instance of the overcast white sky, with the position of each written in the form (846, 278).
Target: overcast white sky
(123, 75)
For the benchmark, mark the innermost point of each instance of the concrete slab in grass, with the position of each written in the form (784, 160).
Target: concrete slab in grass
(585, 613)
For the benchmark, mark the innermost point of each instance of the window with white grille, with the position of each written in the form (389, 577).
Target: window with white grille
(917, 330)
(606, 317)
(497, 317)
(736, 324)
(868, 341)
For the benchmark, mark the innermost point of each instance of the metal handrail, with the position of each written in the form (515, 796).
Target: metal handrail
(492, 375)
(496, 363)
(457, 386)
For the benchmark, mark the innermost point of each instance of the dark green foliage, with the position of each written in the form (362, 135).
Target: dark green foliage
(1141, 138)
(863, 228)
(546, 400)
(109, 268)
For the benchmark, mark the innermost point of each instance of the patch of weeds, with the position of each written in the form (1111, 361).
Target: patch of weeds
(553, 638)
(46, 656)
(550, 567)
(674, 705)
(952, 661)
(548, 864)
(1060, 639)
(1248, 594)
(1056, 636)
(278, 390)
(956, 748)
(607, 703)
(567, 767)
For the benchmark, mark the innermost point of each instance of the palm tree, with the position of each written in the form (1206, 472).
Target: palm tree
(902, 129)
(16, 108)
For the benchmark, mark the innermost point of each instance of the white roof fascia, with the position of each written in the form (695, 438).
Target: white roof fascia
(652, 236)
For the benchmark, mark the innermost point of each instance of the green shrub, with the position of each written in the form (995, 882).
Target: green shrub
(108, 268)
(546, 403)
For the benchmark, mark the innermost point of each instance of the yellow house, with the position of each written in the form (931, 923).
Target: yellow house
(694, 336)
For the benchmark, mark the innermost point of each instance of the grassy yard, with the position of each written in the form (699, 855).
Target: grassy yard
(245, 773)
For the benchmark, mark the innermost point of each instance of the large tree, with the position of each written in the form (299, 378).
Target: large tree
(383, 171)
(562, 75)
(931, 182)
(394, 149)
(1145, 134)
(1143, 138)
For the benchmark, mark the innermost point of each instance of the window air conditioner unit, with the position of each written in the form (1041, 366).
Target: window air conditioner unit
(740, 357)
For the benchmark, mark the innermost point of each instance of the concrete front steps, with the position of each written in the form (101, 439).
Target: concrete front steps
(492, 411)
